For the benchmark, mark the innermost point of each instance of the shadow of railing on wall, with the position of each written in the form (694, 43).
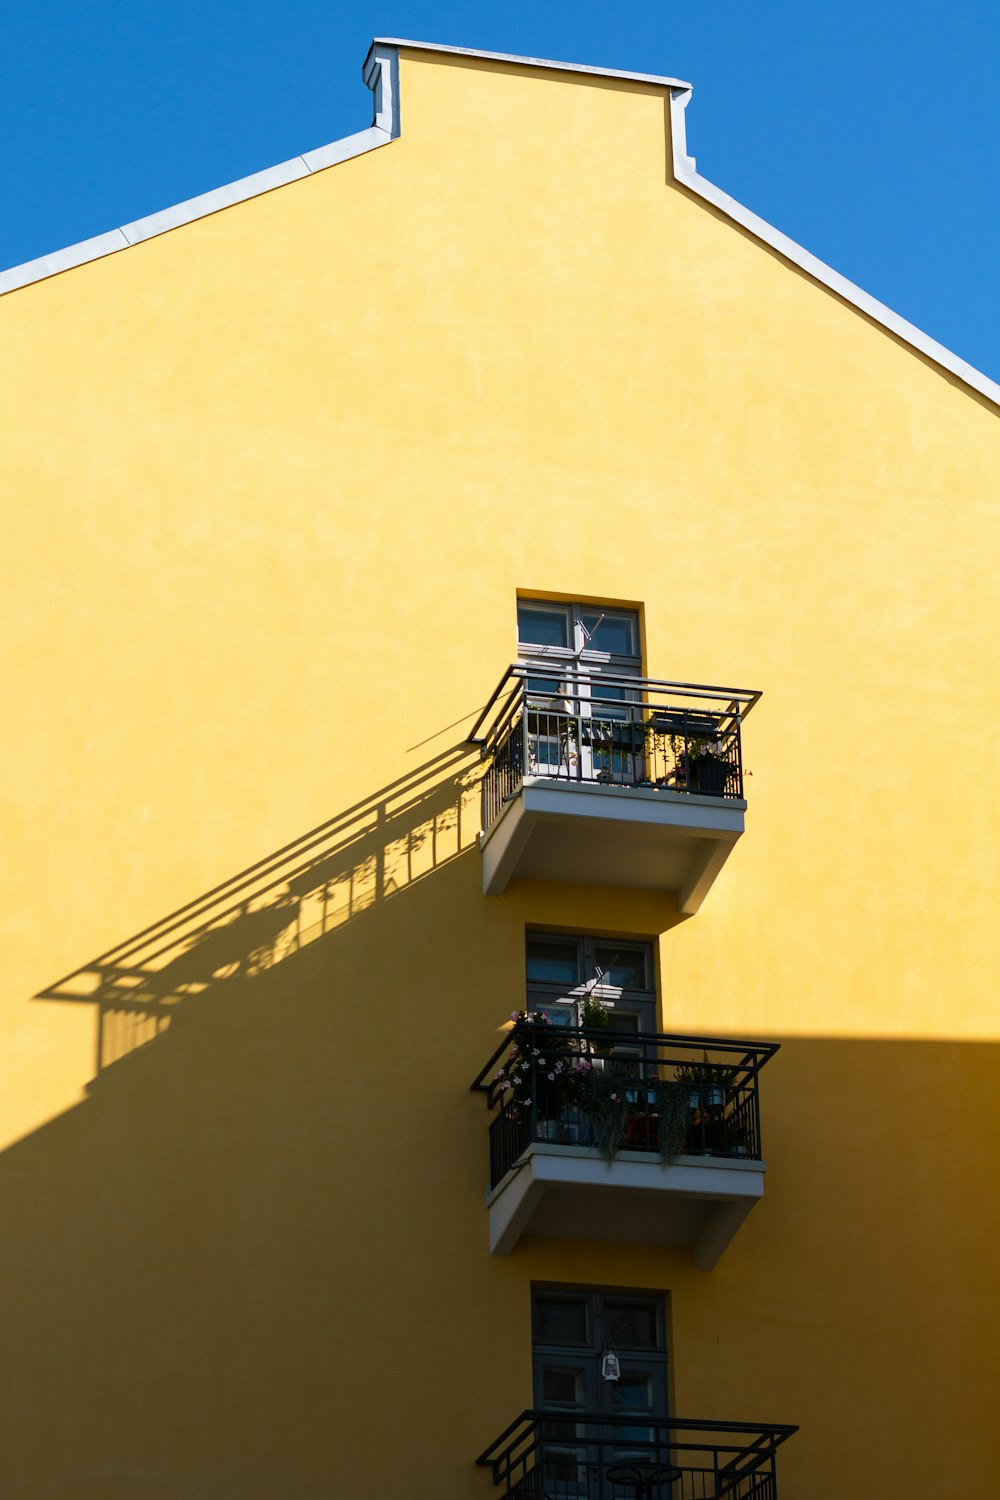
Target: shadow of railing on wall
(316, 884)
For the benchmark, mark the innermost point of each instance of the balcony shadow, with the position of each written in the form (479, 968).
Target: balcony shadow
(313, 886)
(271, 1200)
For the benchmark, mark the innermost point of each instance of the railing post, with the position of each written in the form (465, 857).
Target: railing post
(484, 808)
(533, 1111)
(739, 759)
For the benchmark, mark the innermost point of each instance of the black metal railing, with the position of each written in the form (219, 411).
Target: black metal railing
(569, 1455)
(609, 729)
(621, 1090)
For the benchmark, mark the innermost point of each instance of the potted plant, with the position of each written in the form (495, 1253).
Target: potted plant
(546, 1068)
(594, 1017)
(539, 1061)
(702, 764)
(737, 1137)
(689, 1078)
(709, 1085)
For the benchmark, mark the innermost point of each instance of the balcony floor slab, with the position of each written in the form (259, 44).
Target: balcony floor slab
(587, 833)
(571, 1192)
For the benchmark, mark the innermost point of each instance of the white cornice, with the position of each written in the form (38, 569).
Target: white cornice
(381, 74)
(686, 174)
(530, 62)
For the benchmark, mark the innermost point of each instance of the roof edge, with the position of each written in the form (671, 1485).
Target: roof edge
(687, 175)
(381, 74)
(530, 62)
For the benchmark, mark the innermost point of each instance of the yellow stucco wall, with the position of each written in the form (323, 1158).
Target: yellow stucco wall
(271, 484)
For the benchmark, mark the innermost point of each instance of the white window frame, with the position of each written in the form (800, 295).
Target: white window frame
(571, 667)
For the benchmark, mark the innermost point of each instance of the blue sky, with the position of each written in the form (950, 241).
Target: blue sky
(866, 131)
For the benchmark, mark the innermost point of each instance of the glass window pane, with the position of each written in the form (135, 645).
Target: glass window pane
(616, 634)
(563, 1467)
(607, 694)
(558, 1015)
(545, 687)
(623, 1020)
(553, 961)
(541, 627)
(626, 970)
(633, 1393)
(631, 1325)
(560, 1320)
(563, 1386)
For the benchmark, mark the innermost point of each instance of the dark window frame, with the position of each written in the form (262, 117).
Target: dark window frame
(632, 1003)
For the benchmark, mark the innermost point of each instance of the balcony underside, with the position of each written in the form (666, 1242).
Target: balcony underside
(585, 833)
(570, 1192)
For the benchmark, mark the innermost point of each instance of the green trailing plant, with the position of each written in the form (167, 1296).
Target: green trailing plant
(605, 1102)
(673, 1117)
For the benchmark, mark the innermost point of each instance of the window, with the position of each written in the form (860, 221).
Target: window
(562, 970)
(580, 658)
(565, 640)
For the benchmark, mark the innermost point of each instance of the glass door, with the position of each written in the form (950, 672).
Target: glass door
(573, 1332)
(545, 643)
(611, 731)
(579, 726)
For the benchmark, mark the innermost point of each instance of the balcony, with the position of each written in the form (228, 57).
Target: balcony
(606, 779)
(589, 1456)
(605, 1135)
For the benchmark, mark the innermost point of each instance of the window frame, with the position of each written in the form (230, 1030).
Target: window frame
(552, 995)
(575, 730)
(547, 1355)
(579, 653)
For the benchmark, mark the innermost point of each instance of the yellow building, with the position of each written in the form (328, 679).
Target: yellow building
(292, 474)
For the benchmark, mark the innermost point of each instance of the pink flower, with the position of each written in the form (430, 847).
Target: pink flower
(552, 1076)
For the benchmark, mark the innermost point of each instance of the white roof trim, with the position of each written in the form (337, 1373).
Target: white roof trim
(686, 174)
(531, 62)
(381, 74)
